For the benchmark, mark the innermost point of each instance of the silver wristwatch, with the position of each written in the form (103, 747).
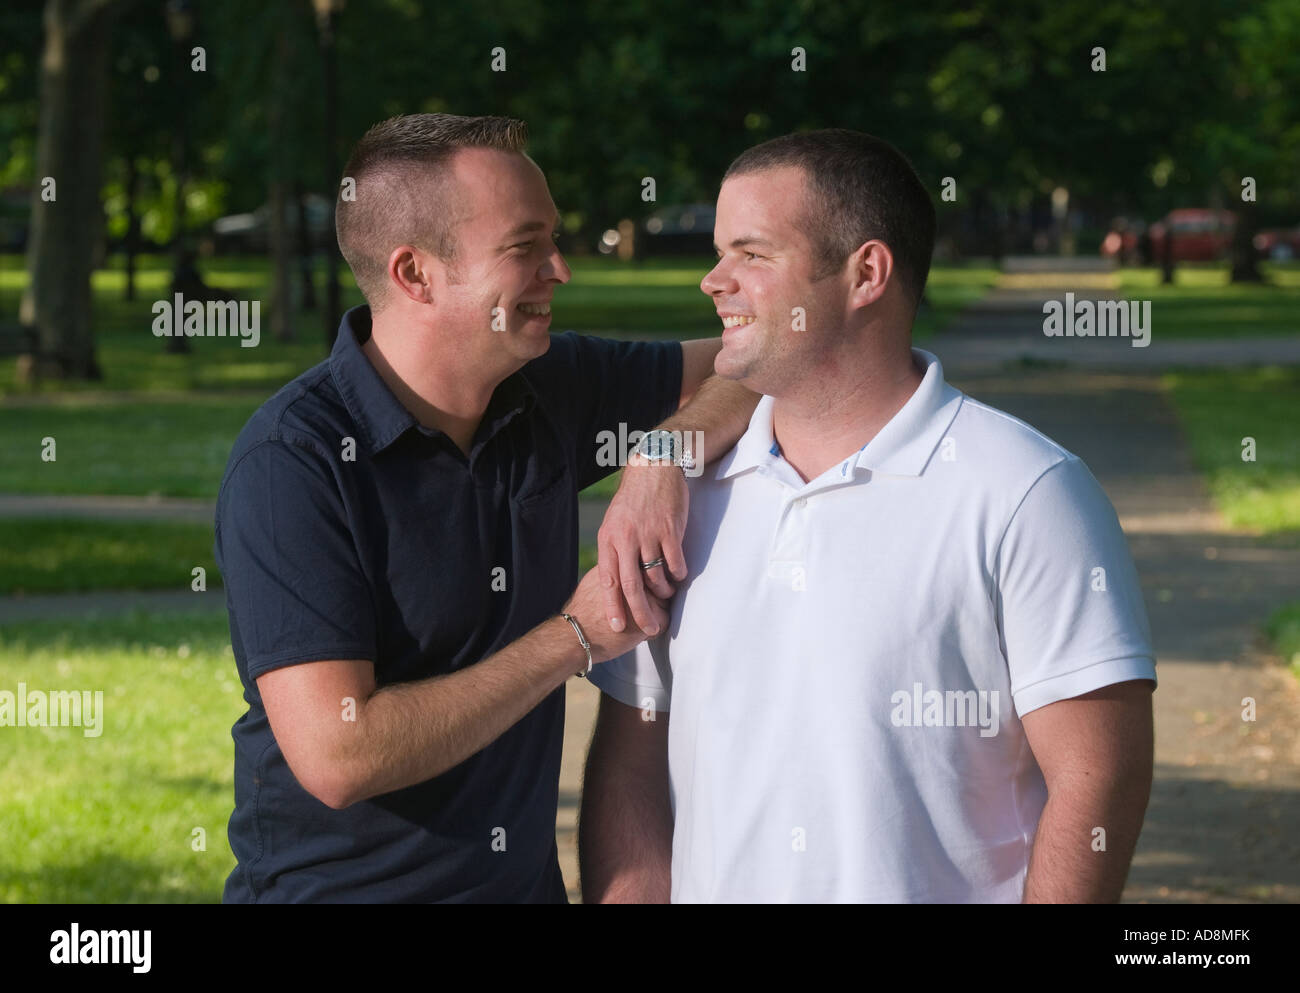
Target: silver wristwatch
(664, 447)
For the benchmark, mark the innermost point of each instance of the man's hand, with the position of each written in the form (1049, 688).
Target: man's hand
(646, 521)
(588, 606)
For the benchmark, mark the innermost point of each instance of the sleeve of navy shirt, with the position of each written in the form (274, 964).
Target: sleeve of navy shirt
(597, 384)
(296, 589)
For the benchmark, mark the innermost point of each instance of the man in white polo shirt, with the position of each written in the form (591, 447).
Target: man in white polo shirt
(911, 661)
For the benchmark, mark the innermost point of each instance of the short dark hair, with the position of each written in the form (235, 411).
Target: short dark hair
(861, 188)
(402, 191)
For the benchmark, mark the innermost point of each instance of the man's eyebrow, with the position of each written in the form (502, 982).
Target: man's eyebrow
(749, 239)
(528, 227)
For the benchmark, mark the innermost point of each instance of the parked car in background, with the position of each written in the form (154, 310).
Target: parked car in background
(685, 229)
(1278, 244)
(1126, 241)
(251, 232)
(1195, 234)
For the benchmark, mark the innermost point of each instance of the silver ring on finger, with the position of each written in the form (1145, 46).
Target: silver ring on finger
(657, 562)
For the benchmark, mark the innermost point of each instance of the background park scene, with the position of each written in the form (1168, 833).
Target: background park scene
(1110, 151)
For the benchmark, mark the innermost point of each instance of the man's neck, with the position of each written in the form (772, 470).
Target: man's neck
(440, 390)
(841, 409)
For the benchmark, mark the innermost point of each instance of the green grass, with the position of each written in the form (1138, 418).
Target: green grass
(1218, 409)
(177, 447)
(133, 359)
(1284, 628)
(1203, 304)
(73, 556)
(111, 819)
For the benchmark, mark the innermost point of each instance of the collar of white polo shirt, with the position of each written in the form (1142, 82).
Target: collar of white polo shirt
(903, 447)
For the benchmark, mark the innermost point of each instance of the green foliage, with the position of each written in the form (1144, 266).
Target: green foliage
(1284, 628)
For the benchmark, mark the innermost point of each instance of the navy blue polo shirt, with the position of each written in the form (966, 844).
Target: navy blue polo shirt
(389, 549)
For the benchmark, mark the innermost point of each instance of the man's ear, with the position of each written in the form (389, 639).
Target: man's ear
(411, 271)
(870, 270)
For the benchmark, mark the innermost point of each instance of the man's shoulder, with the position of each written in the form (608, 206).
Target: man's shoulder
(999, 447)
(306, 413)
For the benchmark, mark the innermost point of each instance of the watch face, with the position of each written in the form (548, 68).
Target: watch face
(656, 446)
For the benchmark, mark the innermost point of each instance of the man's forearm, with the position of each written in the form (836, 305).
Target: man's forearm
(625, 828)
(716, 416)
(407, 733)
(1073, 861)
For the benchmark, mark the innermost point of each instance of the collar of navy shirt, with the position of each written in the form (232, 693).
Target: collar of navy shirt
(379, 415)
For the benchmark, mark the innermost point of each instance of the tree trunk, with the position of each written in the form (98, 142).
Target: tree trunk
(69, 149)
(132, 224)
(282, 317)
(306, 255)
(281, 264)
(1245, 263)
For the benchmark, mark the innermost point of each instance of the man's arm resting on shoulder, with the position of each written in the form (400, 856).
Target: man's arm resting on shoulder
(1096, 753)
(625, 831)
(407, 733)
(649, 512)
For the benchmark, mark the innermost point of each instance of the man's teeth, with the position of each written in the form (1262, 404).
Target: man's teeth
(735, 322)
(537, 309)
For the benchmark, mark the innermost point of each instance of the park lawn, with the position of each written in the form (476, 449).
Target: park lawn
(112, 818)
(1284, 628)
(60, 555)
(1218, 409)
(1203, 304)
(176, 446)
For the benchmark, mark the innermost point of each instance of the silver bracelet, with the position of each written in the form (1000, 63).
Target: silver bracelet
(586, 645)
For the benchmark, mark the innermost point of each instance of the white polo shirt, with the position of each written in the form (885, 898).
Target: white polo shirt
(848, 662)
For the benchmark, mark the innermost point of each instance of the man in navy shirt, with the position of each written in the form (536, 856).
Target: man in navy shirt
(397, 531)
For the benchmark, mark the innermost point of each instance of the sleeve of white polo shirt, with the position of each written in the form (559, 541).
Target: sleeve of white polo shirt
(640, 678)
(1069, 602)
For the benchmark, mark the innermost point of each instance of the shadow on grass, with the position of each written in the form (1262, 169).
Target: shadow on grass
(103, 878)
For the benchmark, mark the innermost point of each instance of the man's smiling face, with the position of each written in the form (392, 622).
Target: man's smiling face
(505, 254)
(764, 272)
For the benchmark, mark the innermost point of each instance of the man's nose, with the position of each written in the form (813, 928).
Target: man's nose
(717, 280)
(556, 268)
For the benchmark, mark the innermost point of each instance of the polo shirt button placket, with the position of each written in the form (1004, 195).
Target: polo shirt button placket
(786, 564)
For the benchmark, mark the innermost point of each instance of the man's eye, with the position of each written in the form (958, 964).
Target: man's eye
(753, 255)
(523, 244)
(555, 236)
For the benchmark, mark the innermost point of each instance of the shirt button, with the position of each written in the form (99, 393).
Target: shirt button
(801, 502)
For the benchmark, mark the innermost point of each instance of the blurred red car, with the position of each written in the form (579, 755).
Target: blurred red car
(1196, 234)
(1278, 244)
